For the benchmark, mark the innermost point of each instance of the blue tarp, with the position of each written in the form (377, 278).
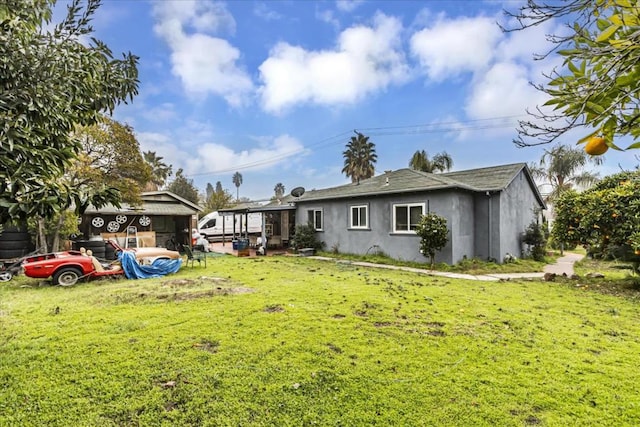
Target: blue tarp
(160, 267)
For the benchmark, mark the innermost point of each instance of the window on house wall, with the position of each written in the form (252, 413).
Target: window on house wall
(406, 217)
(358, 217)
(315, 218)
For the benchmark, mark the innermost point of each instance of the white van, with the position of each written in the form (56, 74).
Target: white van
(211, 225)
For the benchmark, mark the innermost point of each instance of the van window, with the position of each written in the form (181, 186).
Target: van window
(210, 224)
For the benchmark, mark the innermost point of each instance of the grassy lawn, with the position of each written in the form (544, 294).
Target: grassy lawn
(283, 341)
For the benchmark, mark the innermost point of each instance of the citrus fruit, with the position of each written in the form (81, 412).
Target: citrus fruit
(596, 146)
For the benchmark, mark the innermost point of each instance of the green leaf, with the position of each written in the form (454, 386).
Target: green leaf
(634, 146)
(606, 34)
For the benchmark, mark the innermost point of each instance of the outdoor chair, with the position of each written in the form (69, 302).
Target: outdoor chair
(195, 255)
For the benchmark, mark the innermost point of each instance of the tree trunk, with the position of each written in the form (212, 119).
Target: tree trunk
(55, 245)
(42, 236)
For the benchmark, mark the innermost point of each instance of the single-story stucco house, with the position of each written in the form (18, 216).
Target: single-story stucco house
(487, 211)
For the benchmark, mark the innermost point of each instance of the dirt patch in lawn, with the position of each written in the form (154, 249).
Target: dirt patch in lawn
(202, 287)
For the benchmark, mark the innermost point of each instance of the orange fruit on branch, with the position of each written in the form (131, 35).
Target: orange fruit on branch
(596, 146)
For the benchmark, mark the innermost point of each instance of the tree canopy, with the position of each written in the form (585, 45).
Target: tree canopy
(434, 235)
(237, 181)
(604, 218)
(110, 156)
(562, 168)
(217, 198)
(420, 161)
(160, 171)
(359, 158)
(183, 187)
(598, 88)
(50, 82)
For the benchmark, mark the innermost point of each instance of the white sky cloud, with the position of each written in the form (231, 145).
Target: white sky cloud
(264, 11)
(216, 157)
(348, 5)
(504, 90)
(205, 64)
(454, 46)
(365, 60)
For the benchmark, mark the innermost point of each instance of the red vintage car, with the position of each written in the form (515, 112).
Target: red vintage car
(67, 267)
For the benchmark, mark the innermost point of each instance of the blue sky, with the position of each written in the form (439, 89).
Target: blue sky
(275, 89)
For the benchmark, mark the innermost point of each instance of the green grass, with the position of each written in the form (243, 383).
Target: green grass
(285, 341)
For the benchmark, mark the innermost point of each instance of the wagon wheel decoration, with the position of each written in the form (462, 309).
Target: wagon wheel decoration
(144, 220)
(97, 222)
(121, 219)
(113, 226)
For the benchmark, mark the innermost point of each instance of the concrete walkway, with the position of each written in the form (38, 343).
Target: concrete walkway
(563, 265)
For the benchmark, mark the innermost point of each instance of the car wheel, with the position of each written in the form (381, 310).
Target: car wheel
(6, 276)
(67, 276)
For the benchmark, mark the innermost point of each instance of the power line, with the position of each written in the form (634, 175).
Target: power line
(453, 126)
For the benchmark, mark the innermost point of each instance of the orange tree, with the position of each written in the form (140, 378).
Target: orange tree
(598, 87)
(604, 218)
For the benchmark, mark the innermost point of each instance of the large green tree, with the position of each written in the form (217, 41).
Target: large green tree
(217, 199)
(562, 168)
(110, 156)
(50, 81)
(160, 171)
(183, 187)
(598, 88)
(604, 218)
(420, 161)
(359, 158)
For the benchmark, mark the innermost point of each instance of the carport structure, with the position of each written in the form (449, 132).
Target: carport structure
(278, 222)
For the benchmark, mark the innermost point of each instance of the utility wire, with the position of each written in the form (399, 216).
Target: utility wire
(453, 126)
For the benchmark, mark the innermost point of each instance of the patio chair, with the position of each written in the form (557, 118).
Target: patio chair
(195, 255)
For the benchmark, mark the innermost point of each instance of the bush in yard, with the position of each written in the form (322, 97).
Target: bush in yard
(534, 237)
(305, 237)
(433, 233)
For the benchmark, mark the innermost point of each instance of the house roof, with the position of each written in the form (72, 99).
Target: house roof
(153, 203)
(493, 179)
(275, 205)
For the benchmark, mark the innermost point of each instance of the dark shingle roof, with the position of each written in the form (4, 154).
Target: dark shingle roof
(494, 178)
(153, 203)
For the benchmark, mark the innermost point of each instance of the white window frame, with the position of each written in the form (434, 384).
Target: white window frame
(352, 225)
(315, 212)
(394, 219)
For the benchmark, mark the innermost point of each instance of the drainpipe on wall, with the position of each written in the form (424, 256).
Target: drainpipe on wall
(489, 225)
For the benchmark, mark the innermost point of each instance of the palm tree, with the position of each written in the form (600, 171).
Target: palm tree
(359, 158)
(160, 171)
(237, 181)
(562, 169)
(420, 161)
(279, 190)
